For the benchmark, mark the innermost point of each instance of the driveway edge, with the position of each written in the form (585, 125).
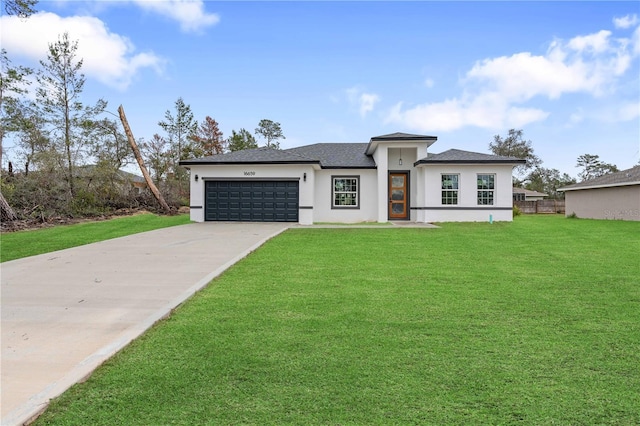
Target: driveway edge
(37, 404)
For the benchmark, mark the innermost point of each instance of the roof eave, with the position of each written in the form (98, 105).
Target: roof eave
(237, 163)
(405, 138)
(427, 162)
(373, 143)
(348, 167)
(610, 185)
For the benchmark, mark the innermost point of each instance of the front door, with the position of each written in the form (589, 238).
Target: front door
(398, 198)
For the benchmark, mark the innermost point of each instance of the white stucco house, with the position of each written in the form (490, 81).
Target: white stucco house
(391, 178)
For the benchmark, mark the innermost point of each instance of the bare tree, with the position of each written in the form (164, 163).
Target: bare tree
(208, 139)
(158, 156)
(61, 84)
(12, 82)
(109, 145)
(180, 128)
(21, 8)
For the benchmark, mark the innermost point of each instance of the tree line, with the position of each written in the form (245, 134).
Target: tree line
(533, 176)
(70, 155)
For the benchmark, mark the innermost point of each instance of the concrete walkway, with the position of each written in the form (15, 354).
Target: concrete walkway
(65, 313)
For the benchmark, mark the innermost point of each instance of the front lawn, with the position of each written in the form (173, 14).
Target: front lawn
(16, 245)
(533, 322)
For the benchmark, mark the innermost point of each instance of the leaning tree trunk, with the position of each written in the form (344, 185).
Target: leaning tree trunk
(136, 153)
(6, 212)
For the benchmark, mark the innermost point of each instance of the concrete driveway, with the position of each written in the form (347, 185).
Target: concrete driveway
(65, 313)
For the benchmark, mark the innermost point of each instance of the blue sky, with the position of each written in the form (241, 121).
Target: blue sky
(567, 73)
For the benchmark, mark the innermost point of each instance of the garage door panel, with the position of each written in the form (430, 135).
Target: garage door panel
(255, 201)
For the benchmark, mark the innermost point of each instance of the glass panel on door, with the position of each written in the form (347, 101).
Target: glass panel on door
(398, 207)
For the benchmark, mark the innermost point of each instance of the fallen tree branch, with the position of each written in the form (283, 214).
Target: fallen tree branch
(6, 212)
(143, 169)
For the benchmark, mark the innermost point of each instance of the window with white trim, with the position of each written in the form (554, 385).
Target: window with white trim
(345, 192)
(450, 189)
(486, 189)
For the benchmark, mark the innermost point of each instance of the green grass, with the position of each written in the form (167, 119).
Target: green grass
(535, 322)
(355, 223)
(16, 245)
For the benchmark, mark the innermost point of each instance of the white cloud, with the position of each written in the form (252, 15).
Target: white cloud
(625, 21)
(189, 13)
(597, 43)
(494, 89)
(485, 111)
(108, 57)
(363, 102)
(428, 83)
(583, 64)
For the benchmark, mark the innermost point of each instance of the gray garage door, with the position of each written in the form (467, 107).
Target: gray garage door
(251, 201)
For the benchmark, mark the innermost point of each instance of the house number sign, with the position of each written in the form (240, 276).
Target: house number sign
(249, 173)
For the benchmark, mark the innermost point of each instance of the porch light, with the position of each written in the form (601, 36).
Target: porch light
(196, 177)
(400, 159)
(304, 177)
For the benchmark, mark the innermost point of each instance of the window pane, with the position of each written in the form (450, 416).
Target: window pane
(486, 181)
(450, 189)
(397, 194)
(485, 197)
(449, 197)
(449, 181)
(397, 182)
(345, 192)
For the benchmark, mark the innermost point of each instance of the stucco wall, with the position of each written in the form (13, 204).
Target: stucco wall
(387, 158)
(322, 211)
(252, 172)
(619, 203)
(425, 190)
(467, 209)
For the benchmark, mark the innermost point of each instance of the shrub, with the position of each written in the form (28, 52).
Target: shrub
(516, 211)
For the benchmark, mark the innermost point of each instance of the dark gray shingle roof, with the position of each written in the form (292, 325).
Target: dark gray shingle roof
(625, 177)
(338, 155)
(403, 137)
(458, 156)
(253, 156)
(327, 155)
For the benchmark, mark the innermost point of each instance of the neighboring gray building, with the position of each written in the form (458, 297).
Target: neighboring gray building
(612, 196)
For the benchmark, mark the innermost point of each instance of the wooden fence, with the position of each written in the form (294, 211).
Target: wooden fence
(540, 206)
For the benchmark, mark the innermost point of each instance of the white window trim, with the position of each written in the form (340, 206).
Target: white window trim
(492, 191)
(457, 190)
(334, 192)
